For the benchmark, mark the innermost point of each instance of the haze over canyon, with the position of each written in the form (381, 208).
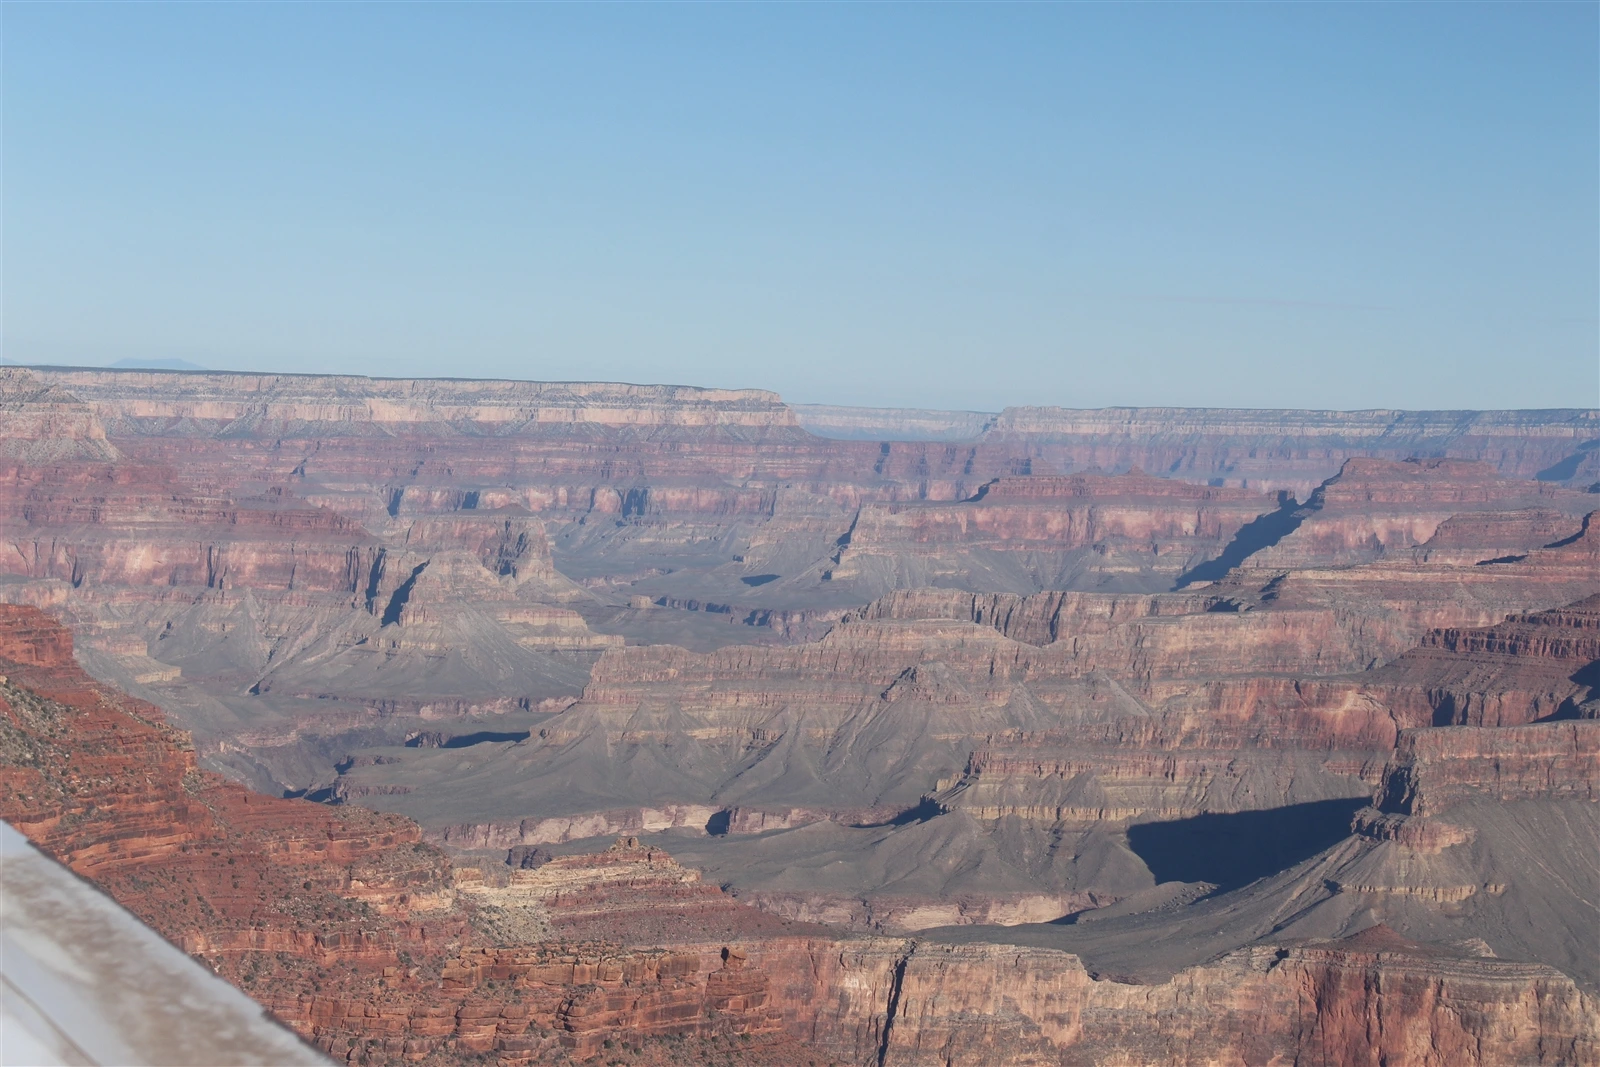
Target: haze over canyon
(503, 722)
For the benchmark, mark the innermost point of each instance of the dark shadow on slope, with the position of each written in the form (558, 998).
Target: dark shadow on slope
(481, 737)
(1573, 538)
(1585, 705)
(925, 809)
(1560, 472)
(1236, 849)
(1261, 532)
(402, 593)
(922, 811)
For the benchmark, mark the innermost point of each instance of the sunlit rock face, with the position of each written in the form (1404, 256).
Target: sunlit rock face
(546, 722)
(360, 937)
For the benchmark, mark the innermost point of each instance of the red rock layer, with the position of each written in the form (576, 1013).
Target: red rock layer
(354, 933)
(131, 524)
(1399, 1002)
(1140, 530)
(339, 920)
(1530, 667)
(1377, 507)
(1436, 768)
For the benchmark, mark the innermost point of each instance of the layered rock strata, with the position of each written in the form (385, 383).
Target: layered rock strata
(365, 941)
(343, 534)
(1132, 532)
(1375, 508)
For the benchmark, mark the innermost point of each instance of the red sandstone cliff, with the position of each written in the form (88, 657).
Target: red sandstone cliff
(361, 938)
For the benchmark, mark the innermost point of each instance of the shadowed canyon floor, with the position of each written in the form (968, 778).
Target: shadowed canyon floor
(521, 722)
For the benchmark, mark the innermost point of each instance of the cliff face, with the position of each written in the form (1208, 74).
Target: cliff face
(1399, 1002)
(1375, 508)
(1136, 720)
(986, 723)
(1253, 693)
(1131, 531)
(1530, 667)
(366, 941)
(237, 603)
(45, 423)
(339, 920)
(1435, 769)
(886, 686)
(256, 404)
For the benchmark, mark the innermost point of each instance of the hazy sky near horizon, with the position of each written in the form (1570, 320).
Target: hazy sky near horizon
(1309, 205)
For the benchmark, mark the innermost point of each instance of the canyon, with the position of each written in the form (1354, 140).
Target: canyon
(513, 722)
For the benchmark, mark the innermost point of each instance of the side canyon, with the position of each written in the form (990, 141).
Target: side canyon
(513, 722)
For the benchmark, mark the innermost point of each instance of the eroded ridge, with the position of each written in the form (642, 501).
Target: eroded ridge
(371, 944)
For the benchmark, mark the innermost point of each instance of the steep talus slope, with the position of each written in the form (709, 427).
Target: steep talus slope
(1026, 742)
(273, 626)
(1207, 690)
(1530, 667)
(383, 954)
(1153, 709)
(1375, 508)
(1478, 837)
(881, 712)
(341, 921)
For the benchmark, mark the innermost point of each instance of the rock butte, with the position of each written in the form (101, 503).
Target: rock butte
(657, 724)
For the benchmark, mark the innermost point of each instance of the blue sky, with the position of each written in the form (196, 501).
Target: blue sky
(1319, 205)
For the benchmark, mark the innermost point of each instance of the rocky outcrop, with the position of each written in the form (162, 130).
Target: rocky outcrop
(1133, 714)
(34, 640)
(367, 942)
(1059, 708)
(1530, 667)
(1124, 677)
(1131, 531)
(1036, 620)
(339, 920)
(1435, 769)
(1376, 507)
(1399, 1003)
(1401, 597)
(46, 424)
(633, 486)
(289, 614)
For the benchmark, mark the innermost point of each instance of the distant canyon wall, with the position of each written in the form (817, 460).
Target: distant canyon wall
(1265, 449)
